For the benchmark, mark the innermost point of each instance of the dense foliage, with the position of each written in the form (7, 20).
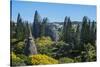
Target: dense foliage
(66, 60)
(15, 61)
(42, 59)
(42, 42)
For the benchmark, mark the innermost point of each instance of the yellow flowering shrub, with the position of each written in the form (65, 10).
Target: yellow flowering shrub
(42, 59)
(42, 41)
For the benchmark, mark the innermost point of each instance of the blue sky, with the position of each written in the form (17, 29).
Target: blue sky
(54, 12)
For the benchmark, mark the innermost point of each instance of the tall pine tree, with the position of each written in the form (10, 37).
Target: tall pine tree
(43, 27)
(84, 31)
(36, 25)
(93, 33)
(67, 30)
(19, 29)
(77, 37)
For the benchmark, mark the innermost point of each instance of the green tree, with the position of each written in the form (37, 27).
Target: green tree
(84, 31)
(64, 29)
(20, 28)
(12, 29)
(93, 33)
(67, 30)
(26, 28)
(36, 25)
(77, 37)
(43, 27)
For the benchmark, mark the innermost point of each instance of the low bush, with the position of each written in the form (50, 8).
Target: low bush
(13, 40)
(42, 59)
(16, 61)
(42, 41)
(19, 48)
(66, 60)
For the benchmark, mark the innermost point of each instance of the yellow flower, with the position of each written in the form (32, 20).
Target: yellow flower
(42, 59)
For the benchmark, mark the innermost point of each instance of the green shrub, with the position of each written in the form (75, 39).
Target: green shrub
(22, 56)
(44, 45)
(25, 58)
(42, 41)
(19, 48)
(90, 52)
(45, 50)
(42, 59)
(77, 59)
(13, 40)
(66, 60)
(16, 61)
